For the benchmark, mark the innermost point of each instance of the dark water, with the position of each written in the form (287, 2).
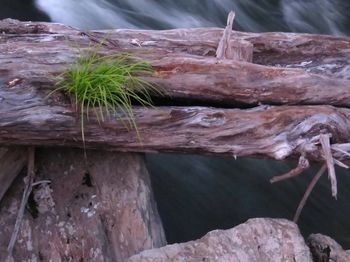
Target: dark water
(21, 10)
(196, 194)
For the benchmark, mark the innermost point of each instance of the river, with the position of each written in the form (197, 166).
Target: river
(196, 194)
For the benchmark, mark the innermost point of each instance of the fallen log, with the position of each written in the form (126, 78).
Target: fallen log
(276, 132)
(33, 54)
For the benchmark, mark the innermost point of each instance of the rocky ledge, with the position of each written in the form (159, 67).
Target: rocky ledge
(257, 240)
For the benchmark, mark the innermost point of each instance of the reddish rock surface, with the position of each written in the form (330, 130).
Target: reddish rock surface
(101, 209)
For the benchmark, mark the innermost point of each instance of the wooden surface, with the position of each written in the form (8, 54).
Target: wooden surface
(276, 132)
(288, 69)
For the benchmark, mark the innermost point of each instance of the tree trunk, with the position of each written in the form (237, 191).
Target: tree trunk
(96, 209)
(276, 132)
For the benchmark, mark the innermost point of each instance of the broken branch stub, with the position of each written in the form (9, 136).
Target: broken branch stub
(224, 48)
(237, 49)
(303, 164)
(326, 148)
(329, 158)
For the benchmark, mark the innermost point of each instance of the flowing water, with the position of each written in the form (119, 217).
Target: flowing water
(196, 194)
(313, 16)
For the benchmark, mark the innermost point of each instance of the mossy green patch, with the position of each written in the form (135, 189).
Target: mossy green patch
(108, 84)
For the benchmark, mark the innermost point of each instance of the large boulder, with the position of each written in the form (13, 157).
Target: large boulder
(260, 240)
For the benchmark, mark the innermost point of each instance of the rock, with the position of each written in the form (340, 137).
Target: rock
(98, 208)
(257, 240)
(324, 249)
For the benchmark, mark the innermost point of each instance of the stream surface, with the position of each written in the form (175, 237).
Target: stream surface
(196, 194)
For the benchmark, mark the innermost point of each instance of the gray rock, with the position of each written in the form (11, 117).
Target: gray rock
(326, 249)
(260, 240)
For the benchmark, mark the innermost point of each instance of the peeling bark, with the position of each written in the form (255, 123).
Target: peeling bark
(287, 69)
(276, 132)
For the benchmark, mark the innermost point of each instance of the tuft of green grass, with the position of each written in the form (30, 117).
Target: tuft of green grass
(108, 84)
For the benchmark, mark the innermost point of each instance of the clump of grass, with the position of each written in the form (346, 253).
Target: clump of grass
(108, 84)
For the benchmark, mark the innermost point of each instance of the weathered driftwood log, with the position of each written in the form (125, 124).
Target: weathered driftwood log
(101, 209)
(276, 132)
(236, 49)
(32, 54)
(12, 161)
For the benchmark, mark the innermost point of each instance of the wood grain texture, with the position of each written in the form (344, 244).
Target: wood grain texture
(32, 54)
(276, 132)
(286, 69)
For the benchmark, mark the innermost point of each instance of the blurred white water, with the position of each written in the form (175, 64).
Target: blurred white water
(321, 16)
(83, 13)
(313, 16)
